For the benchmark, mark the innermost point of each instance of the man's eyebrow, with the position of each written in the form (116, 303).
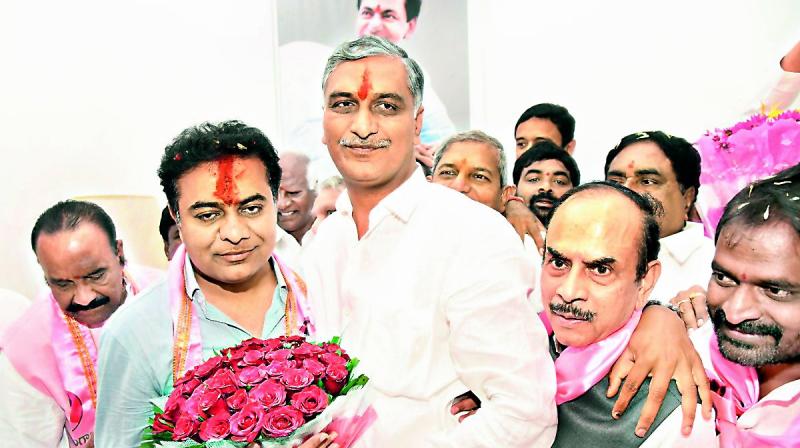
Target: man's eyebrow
(616, 173)
(341, 94)
(780, 284)
(390, 96)
(561, 173)
(647, 171)
(534, 171)
(555, 254)
(205, 204)
(602, 261)
(717, 268)
(253, 198)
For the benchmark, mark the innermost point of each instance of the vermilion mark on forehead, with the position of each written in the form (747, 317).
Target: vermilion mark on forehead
(743, 277)
(226, 185)
(363, 90)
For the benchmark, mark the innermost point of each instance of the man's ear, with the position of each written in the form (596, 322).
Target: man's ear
(412, 26)
(648, 282)
(508, 191)
(688, 199)
(120, 253)
(570, 148)
(418, 121)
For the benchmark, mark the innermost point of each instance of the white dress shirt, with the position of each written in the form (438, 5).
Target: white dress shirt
(685, 261)
(432, 300)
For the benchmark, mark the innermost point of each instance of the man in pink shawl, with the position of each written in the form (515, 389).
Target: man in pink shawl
(48, 357)
(600, 265)
(752, 351)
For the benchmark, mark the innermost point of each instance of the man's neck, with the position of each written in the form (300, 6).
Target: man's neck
(364, 200)
(773, 376)
(300, 233)
(245, 303)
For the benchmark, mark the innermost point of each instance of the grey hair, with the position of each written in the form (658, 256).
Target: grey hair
(478, 137)
(367, 46)
(330, 183)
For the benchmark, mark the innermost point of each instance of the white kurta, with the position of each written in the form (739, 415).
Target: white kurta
(432, 300)
(685, 261)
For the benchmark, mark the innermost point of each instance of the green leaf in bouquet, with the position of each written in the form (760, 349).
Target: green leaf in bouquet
(336, 340)
(352, 364)
(354, 383)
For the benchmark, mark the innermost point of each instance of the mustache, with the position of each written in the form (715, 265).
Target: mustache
(548, 195)
(568, 308)
(365, 142)
(95, 303)
(747, 327)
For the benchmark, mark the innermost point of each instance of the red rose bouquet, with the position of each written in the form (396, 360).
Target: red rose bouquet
(277, 392)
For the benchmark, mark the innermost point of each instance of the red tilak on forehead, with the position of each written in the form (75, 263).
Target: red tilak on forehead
(363, 91)
(226, 186)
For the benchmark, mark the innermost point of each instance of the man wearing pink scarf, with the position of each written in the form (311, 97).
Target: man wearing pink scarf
(48, 358)
(600, 266)
(752, 350)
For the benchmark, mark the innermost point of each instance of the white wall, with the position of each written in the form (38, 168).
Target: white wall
(91, 91)
(624, 66)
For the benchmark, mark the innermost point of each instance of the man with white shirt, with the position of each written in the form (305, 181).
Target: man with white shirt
(423, 284)
(667, 168)
(599, 268)
(48, 379)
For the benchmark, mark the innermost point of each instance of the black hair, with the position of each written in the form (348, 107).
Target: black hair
(765, 201)
(67, 215)
(165, 224)
(412, 8)
(648, 243)
(208, 142)
(558, 115)
(547, 150)
(683, 157)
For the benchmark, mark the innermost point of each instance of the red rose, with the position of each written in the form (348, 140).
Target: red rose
(276, 369)
(332, 358)
(335, 378)
(187, 387)
(215, 428)
(279, 355)
(207, 399)
(236, 354)
(282, 421)
(237, 400)
(270, 345)
(192, 409)
(306, 350)
(186, 377)
(220, 408)
(296, 379)
(315, 367)
(161, 424)
(336, 349)
(223, 380)
(252, 342)
(252, 375)
(247, 423)
(252, 357)
(185, 428)
(269, 394)
(174, 405)
(311, 400)
(207, 368)
(292, 340)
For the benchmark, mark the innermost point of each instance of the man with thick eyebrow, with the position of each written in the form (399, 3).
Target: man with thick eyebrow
(667, 169)
(48, 356)
(599, 268)
(225, 284)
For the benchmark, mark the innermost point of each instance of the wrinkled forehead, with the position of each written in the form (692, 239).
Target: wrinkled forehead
(546, 166)
(642, 156)
(380, 73)
(597, 224)
(398, 6)
(769, 251)
(474, 154)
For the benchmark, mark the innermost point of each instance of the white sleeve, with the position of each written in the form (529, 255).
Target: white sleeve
(668, 433)
(500, 351)
(27, 417)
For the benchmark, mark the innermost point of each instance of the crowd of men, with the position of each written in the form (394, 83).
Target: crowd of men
(490, 305)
